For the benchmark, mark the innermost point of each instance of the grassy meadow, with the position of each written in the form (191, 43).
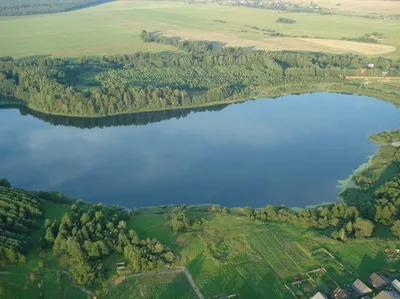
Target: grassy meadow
(233, 255)
(114, 28)
(164, 286)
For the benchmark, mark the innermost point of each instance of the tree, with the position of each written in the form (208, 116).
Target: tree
(271, 212)
(122, 224)
(363, 228)
(159, 248)
(4, 183)
(342, 234)
(169, 256)
(349, 227)
(396, 228)
(40, 264)
(247, 211)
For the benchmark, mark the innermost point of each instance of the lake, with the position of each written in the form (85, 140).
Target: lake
(291, 150)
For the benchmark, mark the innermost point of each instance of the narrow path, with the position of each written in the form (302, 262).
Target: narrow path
(176, 270)
(5, 273)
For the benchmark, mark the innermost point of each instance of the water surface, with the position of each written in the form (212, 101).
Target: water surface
(291, 150)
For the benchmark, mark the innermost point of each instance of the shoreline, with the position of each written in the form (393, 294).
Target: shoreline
(273, 93)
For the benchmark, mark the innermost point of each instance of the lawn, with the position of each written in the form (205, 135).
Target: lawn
(114, 28)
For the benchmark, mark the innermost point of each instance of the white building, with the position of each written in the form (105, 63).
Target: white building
(396, 285)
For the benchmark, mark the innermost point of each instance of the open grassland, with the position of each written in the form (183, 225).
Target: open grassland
(164, 286)
(233, 255)
(47, 285)
(114, 28)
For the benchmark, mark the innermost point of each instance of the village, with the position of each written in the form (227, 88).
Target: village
(380, 284)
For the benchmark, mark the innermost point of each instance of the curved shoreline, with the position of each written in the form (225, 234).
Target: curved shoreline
(275, 92)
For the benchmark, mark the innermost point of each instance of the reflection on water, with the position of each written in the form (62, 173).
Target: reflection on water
(290, 151)
(136, 119)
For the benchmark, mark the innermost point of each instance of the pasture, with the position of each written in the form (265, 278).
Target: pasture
(114, 28)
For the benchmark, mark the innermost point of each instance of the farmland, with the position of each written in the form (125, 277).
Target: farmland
(227, 255)
(254, 260)
(114, 28)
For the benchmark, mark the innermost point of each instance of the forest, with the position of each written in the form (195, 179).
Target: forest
(85, 235)
(33, 7)
(202, 75)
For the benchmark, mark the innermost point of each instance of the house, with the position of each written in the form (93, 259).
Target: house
(319, 295)
(121, 266)
(339, 293)
(378, 281)
(396, 285)
(360, 289)
(370, 65)
(387, 295)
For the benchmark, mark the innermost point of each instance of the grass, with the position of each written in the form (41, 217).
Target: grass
(47, 285)
(165, 286)
(114, 28)
(227, 255)
(233, 255)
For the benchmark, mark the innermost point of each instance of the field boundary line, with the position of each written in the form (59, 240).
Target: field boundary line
(332, 257)
(160, 272)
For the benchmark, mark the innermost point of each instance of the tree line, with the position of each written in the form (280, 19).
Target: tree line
(110, 85)
(19, 213)
(26, 7)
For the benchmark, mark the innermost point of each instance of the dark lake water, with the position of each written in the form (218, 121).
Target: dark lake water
(291, 150)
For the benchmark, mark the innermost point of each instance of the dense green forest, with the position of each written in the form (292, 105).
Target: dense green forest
(84, 236)
(110, 85)
(32, 7)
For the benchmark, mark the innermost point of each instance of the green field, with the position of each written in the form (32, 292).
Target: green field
(233, 255)
(114, 28)
(46, 285)
(227, 255)
(165, 286)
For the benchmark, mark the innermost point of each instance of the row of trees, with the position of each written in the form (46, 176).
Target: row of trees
(27, 7)
(194, 47)
(19, 213)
